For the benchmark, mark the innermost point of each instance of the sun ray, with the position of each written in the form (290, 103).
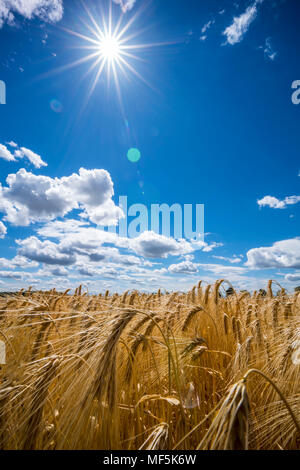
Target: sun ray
(69, 66)
(100, 70)
(100, 32)
(147, 45)
(97, 34)
(81, 36)
(118, 25)
(132, 56)
(109, 21)
(130, 22)
(135, 72)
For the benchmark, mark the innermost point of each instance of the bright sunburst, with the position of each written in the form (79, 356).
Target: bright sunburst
(111, 47)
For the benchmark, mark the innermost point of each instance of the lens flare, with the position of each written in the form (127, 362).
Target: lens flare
(56, 106)
(133, 155)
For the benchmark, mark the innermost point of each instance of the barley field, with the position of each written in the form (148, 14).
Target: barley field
(197, 370)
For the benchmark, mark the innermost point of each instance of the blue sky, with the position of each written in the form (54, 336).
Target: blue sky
(210, 110)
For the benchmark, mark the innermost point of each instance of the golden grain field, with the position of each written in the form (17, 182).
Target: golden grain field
(196, 370)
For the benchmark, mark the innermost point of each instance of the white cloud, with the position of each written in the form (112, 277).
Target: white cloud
(207, 26)
(17, 262)
(88, 246)
(274, 203)
(30, 198)
(186, 267)
(87, 271)
(34, 158)
(88, 240)
(125, 5)
(269, 51)
(46, 10)
(22, 152)
(221, 270)
(3, 230)
(240, 25)
(105, 272)
(44, 252)
(84, 247)
(293, 277)
(13, 275)
(188, 257)
(58, 228)
(57, 271)
(12, 144)
(106, 214)
(208, 248)
(204, 246)
(282, 254)
(233, 260)
(5, 154)
(152, 245)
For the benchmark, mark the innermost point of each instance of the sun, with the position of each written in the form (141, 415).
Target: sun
(110, 48)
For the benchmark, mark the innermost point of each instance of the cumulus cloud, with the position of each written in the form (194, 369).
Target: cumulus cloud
(293, 277)
(30, 198)
(149, 245)
(3, 230)
(58, 228)
(46, 10)
(88, 240)
(282, 254)
(240, 25)
(84, 247)
(59, 271)
(86, 271)
(50, 271)
(274, 203)
(17, 262)
(15, 275)
(186, 267)
(125, 5)
(44, 252)
(91, 247)
(105, 272)
(152, 245)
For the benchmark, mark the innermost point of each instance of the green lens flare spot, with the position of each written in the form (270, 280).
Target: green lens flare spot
(133, 155)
